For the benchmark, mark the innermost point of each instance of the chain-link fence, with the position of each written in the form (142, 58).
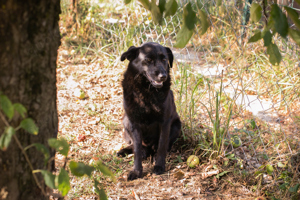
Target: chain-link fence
(260, 102)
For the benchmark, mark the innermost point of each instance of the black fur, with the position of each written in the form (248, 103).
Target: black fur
(151, 122)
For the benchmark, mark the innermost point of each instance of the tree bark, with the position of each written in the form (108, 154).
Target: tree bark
(29, 40)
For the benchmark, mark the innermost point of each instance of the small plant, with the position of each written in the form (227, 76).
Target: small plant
(219, 131)
(60, 181)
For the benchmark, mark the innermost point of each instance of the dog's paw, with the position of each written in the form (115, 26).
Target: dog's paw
(158, 169)
(134, 175)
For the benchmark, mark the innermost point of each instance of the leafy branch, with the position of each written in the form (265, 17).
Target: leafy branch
(9, 131)
(275, 23)
(60, 181)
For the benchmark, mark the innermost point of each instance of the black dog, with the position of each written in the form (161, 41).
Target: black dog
(151, 122)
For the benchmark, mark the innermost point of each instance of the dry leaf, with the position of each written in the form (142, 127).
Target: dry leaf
(81, 138)
(178, 175)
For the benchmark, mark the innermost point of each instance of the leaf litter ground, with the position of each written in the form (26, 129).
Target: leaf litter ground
(93, 128)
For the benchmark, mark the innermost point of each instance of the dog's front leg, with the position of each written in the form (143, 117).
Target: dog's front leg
(137, 171)
(160, 163)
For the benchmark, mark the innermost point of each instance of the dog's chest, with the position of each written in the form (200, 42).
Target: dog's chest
(146, 103)
(144, 108)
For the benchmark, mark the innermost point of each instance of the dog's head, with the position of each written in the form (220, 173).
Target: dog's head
(152, 60)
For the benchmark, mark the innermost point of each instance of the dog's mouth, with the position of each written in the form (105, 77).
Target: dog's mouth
(157, 84)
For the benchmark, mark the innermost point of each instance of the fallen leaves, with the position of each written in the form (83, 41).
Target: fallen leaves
(81, 138)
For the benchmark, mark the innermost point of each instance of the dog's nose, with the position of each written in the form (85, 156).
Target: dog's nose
(162, 76)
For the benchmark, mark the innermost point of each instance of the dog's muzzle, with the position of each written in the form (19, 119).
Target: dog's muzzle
(157, 83)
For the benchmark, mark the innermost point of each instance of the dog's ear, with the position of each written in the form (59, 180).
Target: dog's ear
(170, 55)
(130, 54)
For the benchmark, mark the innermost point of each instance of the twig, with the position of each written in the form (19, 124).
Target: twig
(135, 195)
(25, 155)
(265, 12)
(4, 120)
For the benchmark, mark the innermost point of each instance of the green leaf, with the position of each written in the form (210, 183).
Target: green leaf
(267, 36)
(29, 125)
(293, 14)
(253, 124)
(222, 174)
(96, 184)
(273, 198)
(5, 138)
(230, 156)
(80, 169)
(255, 12)
(280, 20)
(43, 149)
(183, 36)
(204, 22)
(271, 25)
(49, 178)
(155, 12)
(219, 2)
(270, 169)
(283, 186)
(20, 109)
(60, 145)
(258, 172)
(171, 8)
(6, 106)
(274, 54)
(294, 189)
(189, 16)
(255, 37)
(281, 165)
(236, 141)
(105, 170)
(187, 29)
(161, 5)
(295, 35)
(127, 1)
(63, 182)
(100, 192)
(145, 3)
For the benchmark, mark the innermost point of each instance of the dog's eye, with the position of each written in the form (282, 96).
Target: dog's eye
(148, 60)
(164, 60)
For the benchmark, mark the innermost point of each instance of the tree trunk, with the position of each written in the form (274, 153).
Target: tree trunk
(29, 39)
